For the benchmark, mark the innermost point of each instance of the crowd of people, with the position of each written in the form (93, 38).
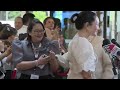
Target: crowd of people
(36, 50)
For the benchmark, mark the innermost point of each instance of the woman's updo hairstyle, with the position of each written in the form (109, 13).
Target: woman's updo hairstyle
(83, 17)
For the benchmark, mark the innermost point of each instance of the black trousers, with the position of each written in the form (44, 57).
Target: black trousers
(8, 74)
(24, 76)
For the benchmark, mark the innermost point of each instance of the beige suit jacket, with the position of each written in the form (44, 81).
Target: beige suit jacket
(104, 66)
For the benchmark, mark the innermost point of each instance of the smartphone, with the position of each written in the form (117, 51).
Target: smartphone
(2, 75)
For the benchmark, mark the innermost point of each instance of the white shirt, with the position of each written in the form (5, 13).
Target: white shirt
(22, 30)
(80, 56)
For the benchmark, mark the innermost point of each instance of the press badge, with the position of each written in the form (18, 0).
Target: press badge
(34, 76)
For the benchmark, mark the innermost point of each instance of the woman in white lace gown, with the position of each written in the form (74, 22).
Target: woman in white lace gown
(80, 57)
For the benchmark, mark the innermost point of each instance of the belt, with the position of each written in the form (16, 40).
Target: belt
(25, 76)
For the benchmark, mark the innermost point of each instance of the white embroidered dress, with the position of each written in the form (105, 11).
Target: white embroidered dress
(80, 56)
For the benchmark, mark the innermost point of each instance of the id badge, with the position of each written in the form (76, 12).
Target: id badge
(34, 76)
(41, 66)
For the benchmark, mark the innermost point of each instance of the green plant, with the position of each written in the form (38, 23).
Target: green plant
(41, 15)
(13, 14)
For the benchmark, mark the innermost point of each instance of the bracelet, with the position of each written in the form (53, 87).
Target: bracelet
(36, 63)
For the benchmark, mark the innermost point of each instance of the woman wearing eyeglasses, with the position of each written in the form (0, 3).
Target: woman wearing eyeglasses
(32, 56)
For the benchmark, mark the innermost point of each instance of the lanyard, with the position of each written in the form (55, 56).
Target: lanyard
(36, 50)
(59, 43)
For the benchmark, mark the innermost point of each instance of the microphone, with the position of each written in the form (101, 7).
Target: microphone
(107, 45)
(106, 42)
(114, 42)
(113, 52)
(111, 48)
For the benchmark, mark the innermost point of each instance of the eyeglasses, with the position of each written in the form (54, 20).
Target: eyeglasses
(38, 31)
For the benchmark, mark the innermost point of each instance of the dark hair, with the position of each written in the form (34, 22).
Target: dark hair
(45, 20)
(7, 31)
(66, 21)
(57, 22)
(83, 17)
(28, 17)
(30, 27)
(20, 18)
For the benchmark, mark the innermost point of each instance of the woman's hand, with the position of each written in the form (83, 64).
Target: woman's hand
(53, 62)
(86, 75)
(52, 55)
(43, 59)
(1, 46)
(8, 51)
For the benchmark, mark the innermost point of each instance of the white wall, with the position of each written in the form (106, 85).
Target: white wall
(118, 21)
(8, 22)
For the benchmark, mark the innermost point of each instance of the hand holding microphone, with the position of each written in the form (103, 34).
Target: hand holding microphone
(114, 53)
(114, 42)
(111, 48)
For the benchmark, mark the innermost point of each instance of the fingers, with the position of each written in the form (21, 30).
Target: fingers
(44, 55)
(47, 58)
(52, 53)
(44, 59)
(86, 75)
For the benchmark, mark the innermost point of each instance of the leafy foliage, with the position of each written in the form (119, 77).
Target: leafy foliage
(41, 15)
(13, 14)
